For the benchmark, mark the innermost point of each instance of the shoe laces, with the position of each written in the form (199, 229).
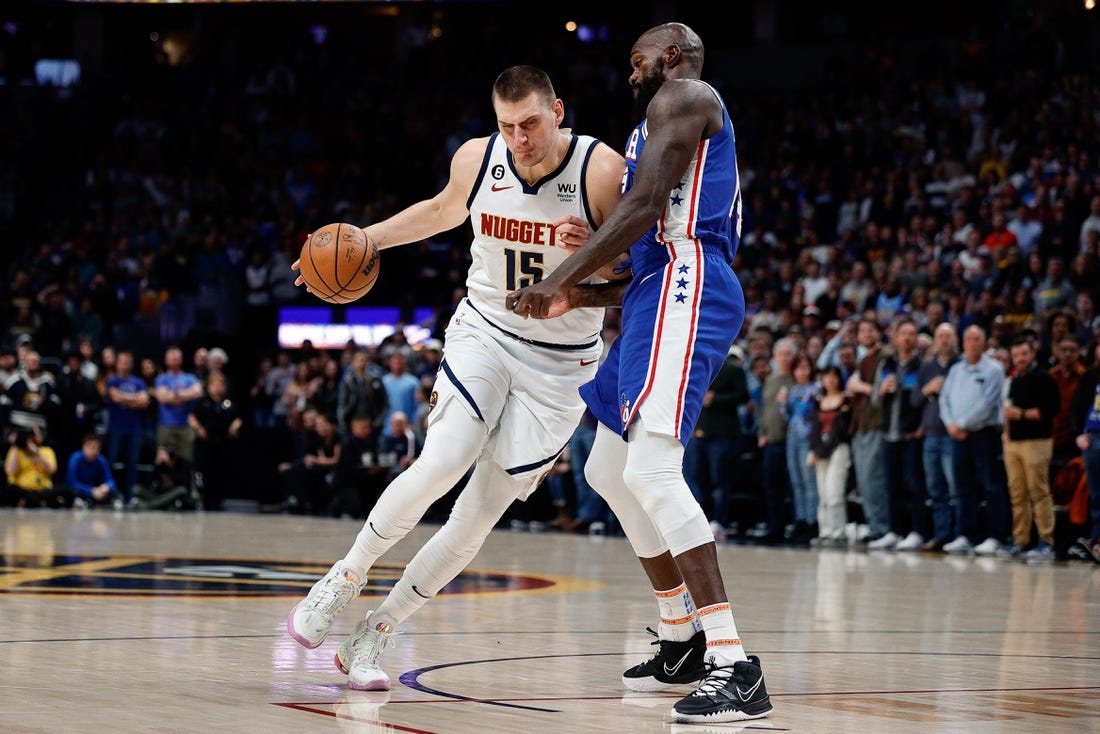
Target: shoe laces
(716, 679)
(333, 594)
(657, 641)
(368, 643)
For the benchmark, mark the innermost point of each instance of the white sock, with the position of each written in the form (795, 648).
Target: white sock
(723, 642)
(678, 620)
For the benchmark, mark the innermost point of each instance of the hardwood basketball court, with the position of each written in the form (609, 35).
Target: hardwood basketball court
(165, 622)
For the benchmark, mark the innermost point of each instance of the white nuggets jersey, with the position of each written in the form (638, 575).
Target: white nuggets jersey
(513, 243)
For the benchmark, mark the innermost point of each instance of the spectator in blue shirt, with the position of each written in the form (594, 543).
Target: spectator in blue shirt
(89, 475)
(176, 392)
(127, 403)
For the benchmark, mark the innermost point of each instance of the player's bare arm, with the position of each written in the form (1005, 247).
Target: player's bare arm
(444, 211)
(680, 115)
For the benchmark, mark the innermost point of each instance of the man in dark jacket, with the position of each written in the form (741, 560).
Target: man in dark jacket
(936, 445)
(902, 438)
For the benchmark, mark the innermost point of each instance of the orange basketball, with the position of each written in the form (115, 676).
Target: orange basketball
(339, 263)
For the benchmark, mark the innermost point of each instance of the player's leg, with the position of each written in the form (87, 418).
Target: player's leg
(487, 495)
(654, 474)
(453, 443)
(681, 643)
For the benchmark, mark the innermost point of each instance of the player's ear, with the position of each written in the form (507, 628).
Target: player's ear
(672, 55)
(559, 112)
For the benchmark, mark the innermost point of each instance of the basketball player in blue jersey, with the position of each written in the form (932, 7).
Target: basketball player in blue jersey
(680, 219)
(506, 398)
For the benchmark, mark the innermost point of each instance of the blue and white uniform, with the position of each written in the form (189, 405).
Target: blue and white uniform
(520, 376)
(685, 305)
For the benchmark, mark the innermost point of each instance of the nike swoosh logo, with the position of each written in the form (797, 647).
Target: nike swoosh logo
(419, 593)
(678, 665)
(586, 362)
(494, 187)
(746, 695)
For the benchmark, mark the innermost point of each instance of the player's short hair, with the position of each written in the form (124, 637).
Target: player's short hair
(518, 82)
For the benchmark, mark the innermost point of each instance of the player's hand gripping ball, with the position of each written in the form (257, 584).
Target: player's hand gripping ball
(339, 263)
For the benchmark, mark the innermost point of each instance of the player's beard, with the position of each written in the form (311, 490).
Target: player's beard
(646, 89)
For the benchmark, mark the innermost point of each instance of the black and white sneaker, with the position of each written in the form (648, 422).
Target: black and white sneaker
(675, 664)
(1084, 550)
(728, 693)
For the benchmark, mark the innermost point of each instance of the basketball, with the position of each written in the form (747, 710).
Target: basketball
(339, 263)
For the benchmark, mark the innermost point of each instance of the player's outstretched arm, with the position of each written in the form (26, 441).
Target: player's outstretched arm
(444, 211)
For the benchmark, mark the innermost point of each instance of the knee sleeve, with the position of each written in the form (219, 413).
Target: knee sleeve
(604, 472)
(654, 474)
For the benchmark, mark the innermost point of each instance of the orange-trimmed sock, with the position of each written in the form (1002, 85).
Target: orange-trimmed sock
(723, 642)
(678, 620)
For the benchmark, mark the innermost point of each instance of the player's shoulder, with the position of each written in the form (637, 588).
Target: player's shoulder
(680, 95)
(604, 156)
(472, 149)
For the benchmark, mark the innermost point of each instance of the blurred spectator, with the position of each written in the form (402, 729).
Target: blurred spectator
(89, 476)
(398, 448)
(310, 479)
(971, 406)
(1091, 223)
(1029, 412)
(937, 450)
(831, 456)
(1067, 371)
(1085, 419)
(1054, 291)
(903, 441)
(359, 479)
(170, 485)
(868, 445)
(30, 466)
(709, 454)
(176, 392)
(772, 440)
(797, 402)
(298, 393)
(216, 421)
(127, 405)
(31, 398)
(278, 377)
(400, 385)
(326, 387)
(361, 394)
(81, 405)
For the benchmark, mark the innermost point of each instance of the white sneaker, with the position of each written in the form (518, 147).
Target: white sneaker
(310, 620)
(358, 656)
(886, 542)
(80, 504)
(1042, 552)
(911, 542)
(958, 546)
(988, 547)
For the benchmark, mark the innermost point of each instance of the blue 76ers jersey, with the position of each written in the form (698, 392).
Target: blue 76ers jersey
(705, 206)
(685, 305)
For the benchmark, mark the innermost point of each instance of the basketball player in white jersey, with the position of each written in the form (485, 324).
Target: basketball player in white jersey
(680, 219)
(506, 397)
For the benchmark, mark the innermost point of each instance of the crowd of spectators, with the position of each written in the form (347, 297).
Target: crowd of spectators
(891, 223)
